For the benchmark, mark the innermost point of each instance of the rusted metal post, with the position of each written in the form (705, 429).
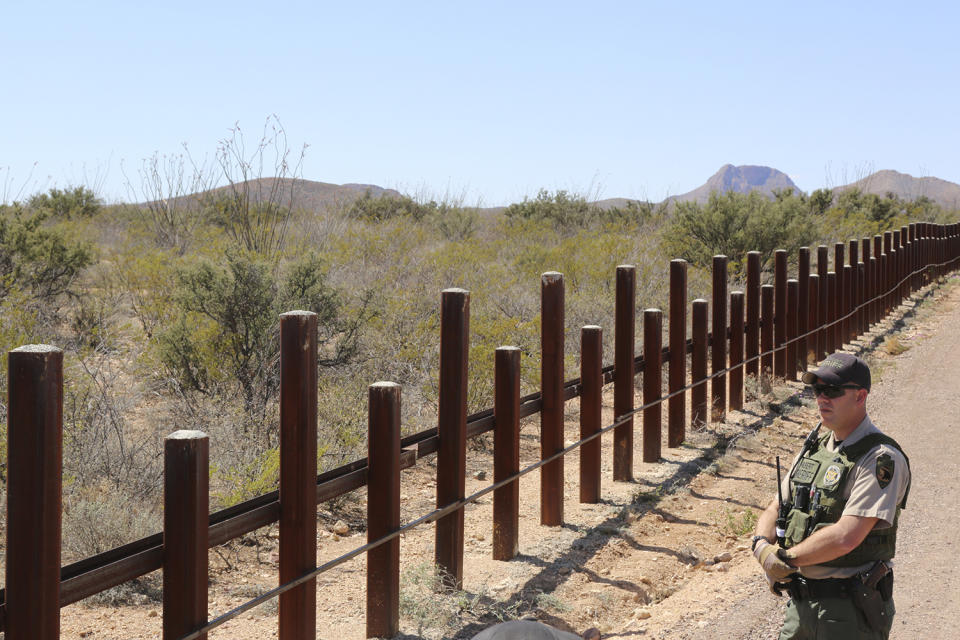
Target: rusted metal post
(832, 283)
(551, 415)
(452, 429)
(793, 293)
(823, 338)
(803, 301)
(652, 383)
(591, 380)
(752, 343)
(839, 295)
(34, 470)
(718, 357)
(766, 330)
(506, 452)
(896, 269)
(876, 305)
(383, 509)
(186, 509)
(872, 288)
(854, 293)
(780, 318)
(677, 405)
(861, 288)
(298, 472)
(847, 303)
(886, 264)
(623, 370)
(813, 317)
(736, 350)
(867, 283)
(698, 365)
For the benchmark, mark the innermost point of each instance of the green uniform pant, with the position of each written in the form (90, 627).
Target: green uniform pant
(830, 619)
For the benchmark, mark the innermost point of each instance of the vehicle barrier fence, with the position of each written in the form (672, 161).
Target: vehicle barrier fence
(786, 326)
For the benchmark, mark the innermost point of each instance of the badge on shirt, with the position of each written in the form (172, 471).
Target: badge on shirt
(831, 476)
(885, 467)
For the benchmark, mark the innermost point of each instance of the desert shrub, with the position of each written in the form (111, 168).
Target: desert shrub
(227, 328)
(66, 204)
(40, 260)
(733, 224)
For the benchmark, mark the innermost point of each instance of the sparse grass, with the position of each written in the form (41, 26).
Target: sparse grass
(438, 611)
(894, 346)
(550, 601)
(737, 522)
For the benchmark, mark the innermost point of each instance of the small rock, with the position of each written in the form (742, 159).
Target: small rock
(153, 613)
(742, 547)
(479, 536)
(605, 571)
(480, 475)
(340, 528)
(645, 580)
(723, 557)
(563, 570)
(641, 614)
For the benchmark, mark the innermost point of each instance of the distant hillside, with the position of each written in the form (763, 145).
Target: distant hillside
(944, 193)
(305, 194)
(742, 179)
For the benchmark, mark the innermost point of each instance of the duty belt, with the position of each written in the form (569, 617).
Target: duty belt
(801, 588)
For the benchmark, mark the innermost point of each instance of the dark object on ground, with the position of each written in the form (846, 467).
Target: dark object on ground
(528, 630)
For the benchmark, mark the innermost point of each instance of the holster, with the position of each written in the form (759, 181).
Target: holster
(869, 591)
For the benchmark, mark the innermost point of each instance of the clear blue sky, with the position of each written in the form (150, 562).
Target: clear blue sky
(494, 99)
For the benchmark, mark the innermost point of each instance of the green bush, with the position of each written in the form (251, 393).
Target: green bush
(66, 204)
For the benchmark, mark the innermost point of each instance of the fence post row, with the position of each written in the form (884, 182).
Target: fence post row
(452, 429)
(623, 370)
(882, 268)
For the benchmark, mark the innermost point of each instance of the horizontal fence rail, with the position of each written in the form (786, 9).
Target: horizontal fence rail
(815, 314)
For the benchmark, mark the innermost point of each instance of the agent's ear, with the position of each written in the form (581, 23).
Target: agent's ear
(862, 396)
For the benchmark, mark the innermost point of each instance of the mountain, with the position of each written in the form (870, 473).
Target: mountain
(742, 179)
(946, 194)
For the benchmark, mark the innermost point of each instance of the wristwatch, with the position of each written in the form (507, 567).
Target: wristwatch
(755, 540)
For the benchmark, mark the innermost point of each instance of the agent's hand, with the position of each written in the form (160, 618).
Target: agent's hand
(775, 568)
(776, 586)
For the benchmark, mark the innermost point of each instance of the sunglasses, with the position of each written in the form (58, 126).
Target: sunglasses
(832, 390)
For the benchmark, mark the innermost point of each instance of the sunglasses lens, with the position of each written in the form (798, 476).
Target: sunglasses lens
(828, 390)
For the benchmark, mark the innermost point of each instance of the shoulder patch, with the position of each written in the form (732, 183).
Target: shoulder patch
(885, 469)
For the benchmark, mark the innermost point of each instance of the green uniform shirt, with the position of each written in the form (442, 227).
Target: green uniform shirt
(863, 492)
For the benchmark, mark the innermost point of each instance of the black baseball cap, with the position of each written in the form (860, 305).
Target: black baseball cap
(841, 368)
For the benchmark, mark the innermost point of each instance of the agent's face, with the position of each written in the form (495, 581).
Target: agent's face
(844, 413)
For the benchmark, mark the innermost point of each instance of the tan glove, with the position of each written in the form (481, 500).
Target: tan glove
(776, 586)
(775, 568)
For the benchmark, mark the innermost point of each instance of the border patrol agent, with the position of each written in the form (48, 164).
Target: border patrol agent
(830, 537)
